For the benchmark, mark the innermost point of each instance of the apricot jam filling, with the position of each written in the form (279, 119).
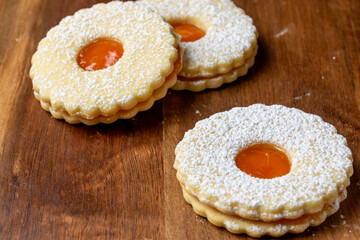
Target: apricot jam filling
(188, 32)
(177, 65)
(100, 54)
(263, 161)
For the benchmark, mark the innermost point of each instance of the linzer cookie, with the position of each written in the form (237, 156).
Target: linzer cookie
(220, 40)
(106, 62)
(264, 170)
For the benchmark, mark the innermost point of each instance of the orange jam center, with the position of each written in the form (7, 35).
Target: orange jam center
(188, 32)
(263, 161)
(100, 54)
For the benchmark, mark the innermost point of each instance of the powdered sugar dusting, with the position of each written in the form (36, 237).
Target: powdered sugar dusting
(321, 162)
(149, 53)
(231, 225)
(230, 34)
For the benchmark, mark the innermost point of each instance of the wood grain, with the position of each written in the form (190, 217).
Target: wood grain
(62, 181)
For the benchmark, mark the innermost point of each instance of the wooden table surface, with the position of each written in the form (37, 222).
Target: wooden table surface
(62, 181)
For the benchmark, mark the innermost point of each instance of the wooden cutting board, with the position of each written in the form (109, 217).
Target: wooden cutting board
(62, 181)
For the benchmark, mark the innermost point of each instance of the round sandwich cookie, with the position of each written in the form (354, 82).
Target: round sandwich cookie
(264, 170)
(105, 63)
(219, 39)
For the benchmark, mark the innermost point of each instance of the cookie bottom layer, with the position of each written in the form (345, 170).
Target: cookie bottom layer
(200, 84)
(253, 228)
(122, 114)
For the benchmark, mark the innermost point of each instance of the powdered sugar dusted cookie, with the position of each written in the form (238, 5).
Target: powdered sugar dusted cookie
(105, 63)
(264, 169)
(220, 40)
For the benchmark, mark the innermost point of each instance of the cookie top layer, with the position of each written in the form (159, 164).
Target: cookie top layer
(321, 163)
(230, 34)
(150, 50)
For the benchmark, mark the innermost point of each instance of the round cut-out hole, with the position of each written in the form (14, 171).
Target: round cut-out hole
(263, 161)
(188, 32)
(100, 54)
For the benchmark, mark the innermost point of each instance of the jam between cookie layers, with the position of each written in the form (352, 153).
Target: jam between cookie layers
(147, 67)
(215, 167)
(220, 41)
